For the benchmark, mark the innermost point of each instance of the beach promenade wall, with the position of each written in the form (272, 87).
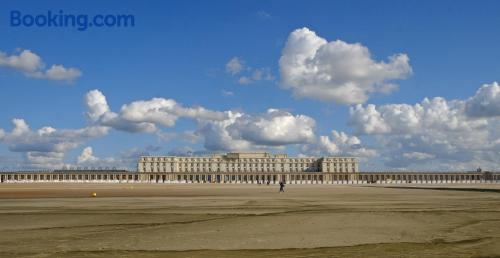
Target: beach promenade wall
(124, 176)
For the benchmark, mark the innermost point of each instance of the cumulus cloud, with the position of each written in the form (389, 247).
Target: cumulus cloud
(486, 101)
(336, 71)
(48, 139)
(275, 127)
(453, 134)
(125, 159)
(339, 144)
(367, 120)
(97, 105)
(44, 160)
(32, 66)
(217, 137)
(61, 73)
(100, 113)
(219, 131)
(143, 115)
(165, 111)
(86, 156)
(87, 159)
(430, 114)
(25, 61)
(240, 131)
(227, 130)
(47, 145)
(20, 127)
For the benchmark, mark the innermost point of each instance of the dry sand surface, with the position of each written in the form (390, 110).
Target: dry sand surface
(142, 220)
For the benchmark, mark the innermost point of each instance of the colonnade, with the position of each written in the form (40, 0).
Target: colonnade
(323, 178)
(254, 178)
(34, 177)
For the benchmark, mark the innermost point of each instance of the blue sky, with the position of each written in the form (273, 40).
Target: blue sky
(179, 50)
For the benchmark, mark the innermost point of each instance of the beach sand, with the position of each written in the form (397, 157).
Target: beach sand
(216, 220)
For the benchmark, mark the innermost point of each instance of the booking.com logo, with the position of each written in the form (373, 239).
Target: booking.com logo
(80, 21)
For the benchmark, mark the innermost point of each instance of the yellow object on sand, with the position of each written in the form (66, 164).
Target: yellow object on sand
(94, 194)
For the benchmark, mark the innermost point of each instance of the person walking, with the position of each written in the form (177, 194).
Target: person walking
(282, 187)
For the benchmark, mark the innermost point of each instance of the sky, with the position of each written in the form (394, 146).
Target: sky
(403, 85)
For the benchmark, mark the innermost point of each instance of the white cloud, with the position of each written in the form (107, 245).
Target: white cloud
(20, 127)
(441, 132)
(143, 115)
(126, 159)
(97, 105)
(435, 133)
(87, 156)
(270, 130)
(48, 139)
(430, 114)
(59, 72)
(367, 120)
(486, 101)
(234, 66)
(217, 137)
(32, 66)
(273, 128)
(156, 111)
(218, 130)
(100, 113)
(46, 147)
(340, 144)
(44, 160)
(336, 71)
(26, 61)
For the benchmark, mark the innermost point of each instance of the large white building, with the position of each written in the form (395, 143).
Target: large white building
(248, 168)
(246, 162)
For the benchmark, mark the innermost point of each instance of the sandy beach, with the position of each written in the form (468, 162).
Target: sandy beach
(158, 220)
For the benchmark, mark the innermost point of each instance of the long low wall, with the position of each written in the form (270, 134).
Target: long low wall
(252, 178)
(324, 178)
(104, 176)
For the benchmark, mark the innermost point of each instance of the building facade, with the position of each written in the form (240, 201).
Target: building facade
(248, 168)
(247, 162)
(123, 176)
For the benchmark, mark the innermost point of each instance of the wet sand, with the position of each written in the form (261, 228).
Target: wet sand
(142, 220)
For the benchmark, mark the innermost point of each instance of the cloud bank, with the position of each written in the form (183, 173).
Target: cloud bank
(456, 134)
(47, 146)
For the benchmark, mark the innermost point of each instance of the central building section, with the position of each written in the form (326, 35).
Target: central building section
(246, 162)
